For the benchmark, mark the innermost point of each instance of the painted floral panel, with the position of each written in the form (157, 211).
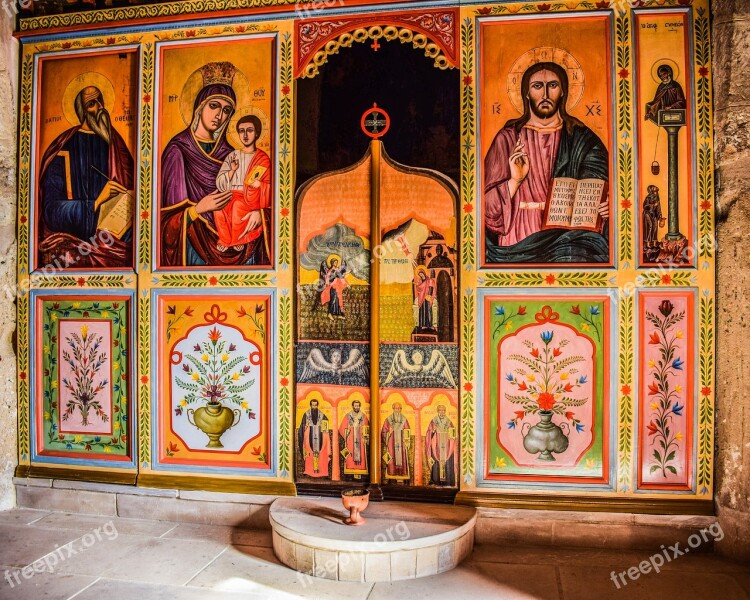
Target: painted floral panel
(666, 389)
(548, 404)
(83, 353)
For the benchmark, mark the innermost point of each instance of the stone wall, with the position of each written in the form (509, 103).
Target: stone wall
(731, 65)
(8, 126)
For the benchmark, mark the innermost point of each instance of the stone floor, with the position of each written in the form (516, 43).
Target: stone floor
(93, 557)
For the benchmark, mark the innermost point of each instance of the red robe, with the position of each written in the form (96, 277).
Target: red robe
(316, 444)
(229, 220)
(396, 439)
(352, 433)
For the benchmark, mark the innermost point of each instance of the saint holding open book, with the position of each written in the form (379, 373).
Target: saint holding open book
(546, 177)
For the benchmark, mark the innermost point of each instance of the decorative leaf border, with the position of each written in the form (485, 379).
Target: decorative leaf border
(144, 379)
(536, 279)
(665, 277)
(210, 280)
(706, 404)
(44, 282)
(625, 161)
(468, 425)
(625, 423)
(468, 146)
(285, 414)
(146, 168)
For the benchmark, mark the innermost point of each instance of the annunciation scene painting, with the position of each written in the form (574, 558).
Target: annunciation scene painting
(458, 253)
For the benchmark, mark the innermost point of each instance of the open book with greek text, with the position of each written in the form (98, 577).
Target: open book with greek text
(574, 204)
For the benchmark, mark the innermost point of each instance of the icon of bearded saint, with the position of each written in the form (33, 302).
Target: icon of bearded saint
(84, 167)
(544, 143)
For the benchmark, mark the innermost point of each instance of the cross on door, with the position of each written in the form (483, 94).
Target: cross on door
(375, 45)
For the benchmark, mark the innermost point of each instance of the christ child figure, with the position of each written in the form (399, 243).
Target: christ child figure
(247, 173)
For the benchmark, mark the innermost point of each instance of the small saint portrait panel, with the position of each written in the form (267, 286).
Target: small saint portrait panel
(85, 188)
(665, 165)
(216, 186)
(545, 132)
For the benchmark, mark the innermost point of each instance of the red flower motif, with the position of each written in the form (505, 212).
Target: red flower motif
(468, 387)
(114, 440)
(544, 7)
(705, 391)
(61, 437)
(173, 447)
(654, 338)
(256, 451)
(556, 352)
(144, 215)
(144, 379)
(22, 375)
(240, 28)
(214, 335)
(522, 386)
(123, 376)
(602, 4)
(568, 388)
(26, 108)
(23, 219)
(117, 408)
(87, 446)
(705, 205)
(626, 204)
(124, 438)
(625, 390)
(242, 312)
(623, 73)
(147, 98)
(66, 45)
(535, 352)
(190, 33)
(520, 414)
(285, 89)
(703, 71)
(81, 281)
(569, 415)
(666, 279)
(576, 310)
(550, 279)
(521, 310)
(110, 41)
(188, 312)
(653, 389)
(485, 10)
(545, 401)
(213, 281)
(468, 79)
(468, 207)
(284, 382)
(651, 428)
(284, 212)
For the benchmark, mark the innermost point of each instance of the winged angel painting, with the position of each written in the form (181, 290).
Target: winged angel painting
(414, 372)
(318, 368)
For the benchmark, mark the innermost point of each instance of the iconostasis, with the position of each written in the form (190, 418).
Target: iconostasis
(453, 253)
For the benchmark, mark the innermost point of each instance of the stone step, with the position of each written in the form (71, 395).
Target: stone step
(398, 541)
